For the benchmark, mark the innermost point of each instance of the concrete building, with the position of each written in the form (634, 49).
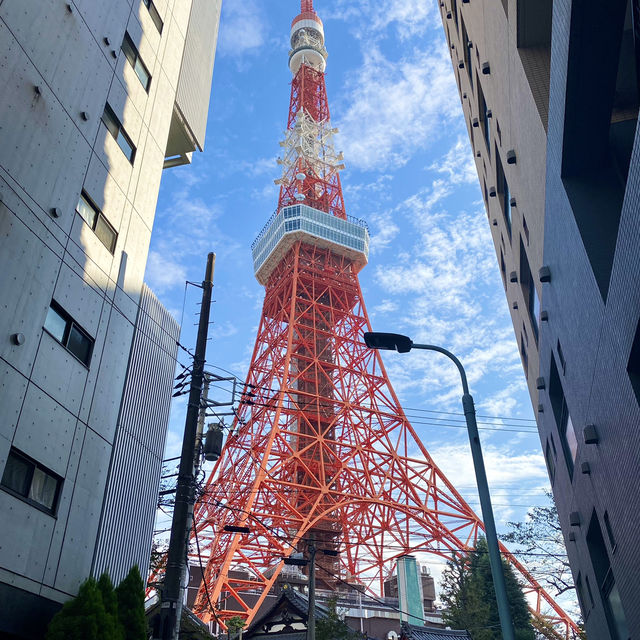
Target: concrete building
(97, 98)
(550, 94)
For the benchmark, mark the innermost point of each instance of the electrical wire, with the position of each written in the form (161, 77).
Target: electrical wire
(412, 414)
(387, 547)
(206, 586)
(406, 409)
(342, 581)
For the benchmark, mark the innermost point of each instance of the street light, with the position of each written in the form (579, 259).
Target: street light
(404, 344)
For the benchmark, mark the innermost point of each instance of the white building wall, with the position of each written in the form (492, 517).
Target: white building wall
(128, 514)
(60, 62)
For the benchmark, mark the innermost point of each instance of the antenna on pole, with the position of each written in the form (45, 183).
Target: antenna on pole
(306, 5)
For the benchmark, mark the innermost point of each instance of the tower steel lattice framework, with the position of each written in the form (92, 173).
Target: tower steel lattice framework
(321, 448)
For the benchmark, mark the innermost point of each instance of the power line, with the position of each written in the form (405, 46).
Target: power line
(388, 547)
(406, 409)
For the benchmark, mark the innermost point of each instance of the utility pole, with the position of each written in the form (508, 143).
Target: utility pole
(171, 594)
(311, 616)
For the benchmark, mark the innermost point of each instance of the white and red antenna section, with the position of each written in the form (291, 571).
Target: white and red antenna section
(309, 161)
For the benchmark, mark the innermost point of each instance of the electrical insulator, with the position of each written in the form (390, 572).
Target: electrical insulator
(213, 443)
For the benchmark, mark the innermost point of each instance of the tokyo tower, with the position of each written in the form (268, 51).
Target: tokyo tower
(321, 449)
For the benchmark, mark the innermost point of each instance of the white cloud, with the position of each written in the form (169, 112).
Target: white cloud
(397, 107)
(445, 284)
(241, 28)
(223, 330)
(408, 17)
(507, 468)
(185, 229)
(387, 306)
(359, 193)
(384, 230)
(501, 403)
(163, 273)
(458, 163)
(262, 166)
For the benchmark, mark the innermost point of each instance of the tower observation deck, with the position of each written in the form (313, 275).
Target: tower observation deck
(321, 450)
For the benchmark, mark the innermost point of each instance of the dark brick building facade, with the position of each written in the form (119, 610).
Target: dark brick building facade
(550, 92)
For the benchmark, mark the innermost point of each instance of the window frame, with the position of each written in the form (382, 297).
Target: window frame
(529, 291)
(605, 580)
(155, 14)
(565, 427)
(505, 194)
(551, 458)
(132, 54)
(562, 418)
(466, 56)
(33, 466)
(70, 326)
(98, 218)
(115, 128)
(524, 350)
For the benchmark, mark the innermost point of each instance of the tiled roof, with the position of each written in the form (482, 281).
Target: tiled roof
(414, 632)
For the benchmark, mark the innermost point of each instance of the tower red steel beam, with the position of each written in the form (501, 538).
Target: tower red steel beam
(321, 448)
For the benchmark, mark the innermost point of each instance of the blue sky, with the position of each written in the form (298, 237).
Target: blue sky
(432, 270)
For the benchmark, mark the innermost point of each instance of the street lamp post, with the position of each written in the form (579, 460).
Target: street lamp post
(403, 344)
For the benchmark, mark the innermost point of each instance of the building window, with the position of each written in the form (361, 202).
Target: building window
(68, 333)
(609, 530)
(484, 114)
(529, 290)
(465, 43)
(551, 464)
(524, 343)
(503, 270)
(525, 228)
(566, 429)
(30, 481)
(606, 582)
(133, 56)
(116, 129)
(90, 213)
(633, 364)
(454, 11)
(534, 306)
(563, 362)
(153, 12)
(584, 597)
(550, 456)
(635, 12)
(504, 192)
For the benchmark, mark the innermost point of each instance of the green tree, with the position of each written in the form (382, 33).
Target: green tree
(332, 627)
(110, 602)
(468, 594)
(234, 626)
(540, 542)
(461, 595)
(84, 617)
(130, 594)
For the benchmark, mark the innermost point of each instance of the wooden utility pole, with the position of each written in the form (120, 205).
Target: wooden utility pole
(171, 593)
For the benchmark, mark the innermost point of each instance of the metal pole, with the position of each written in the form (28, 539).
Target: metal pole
(311, 616)
(497, 572)
(171, 594)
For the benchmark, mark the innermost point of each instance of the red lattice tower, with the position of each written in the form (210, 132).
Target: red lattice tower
(321, 448)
